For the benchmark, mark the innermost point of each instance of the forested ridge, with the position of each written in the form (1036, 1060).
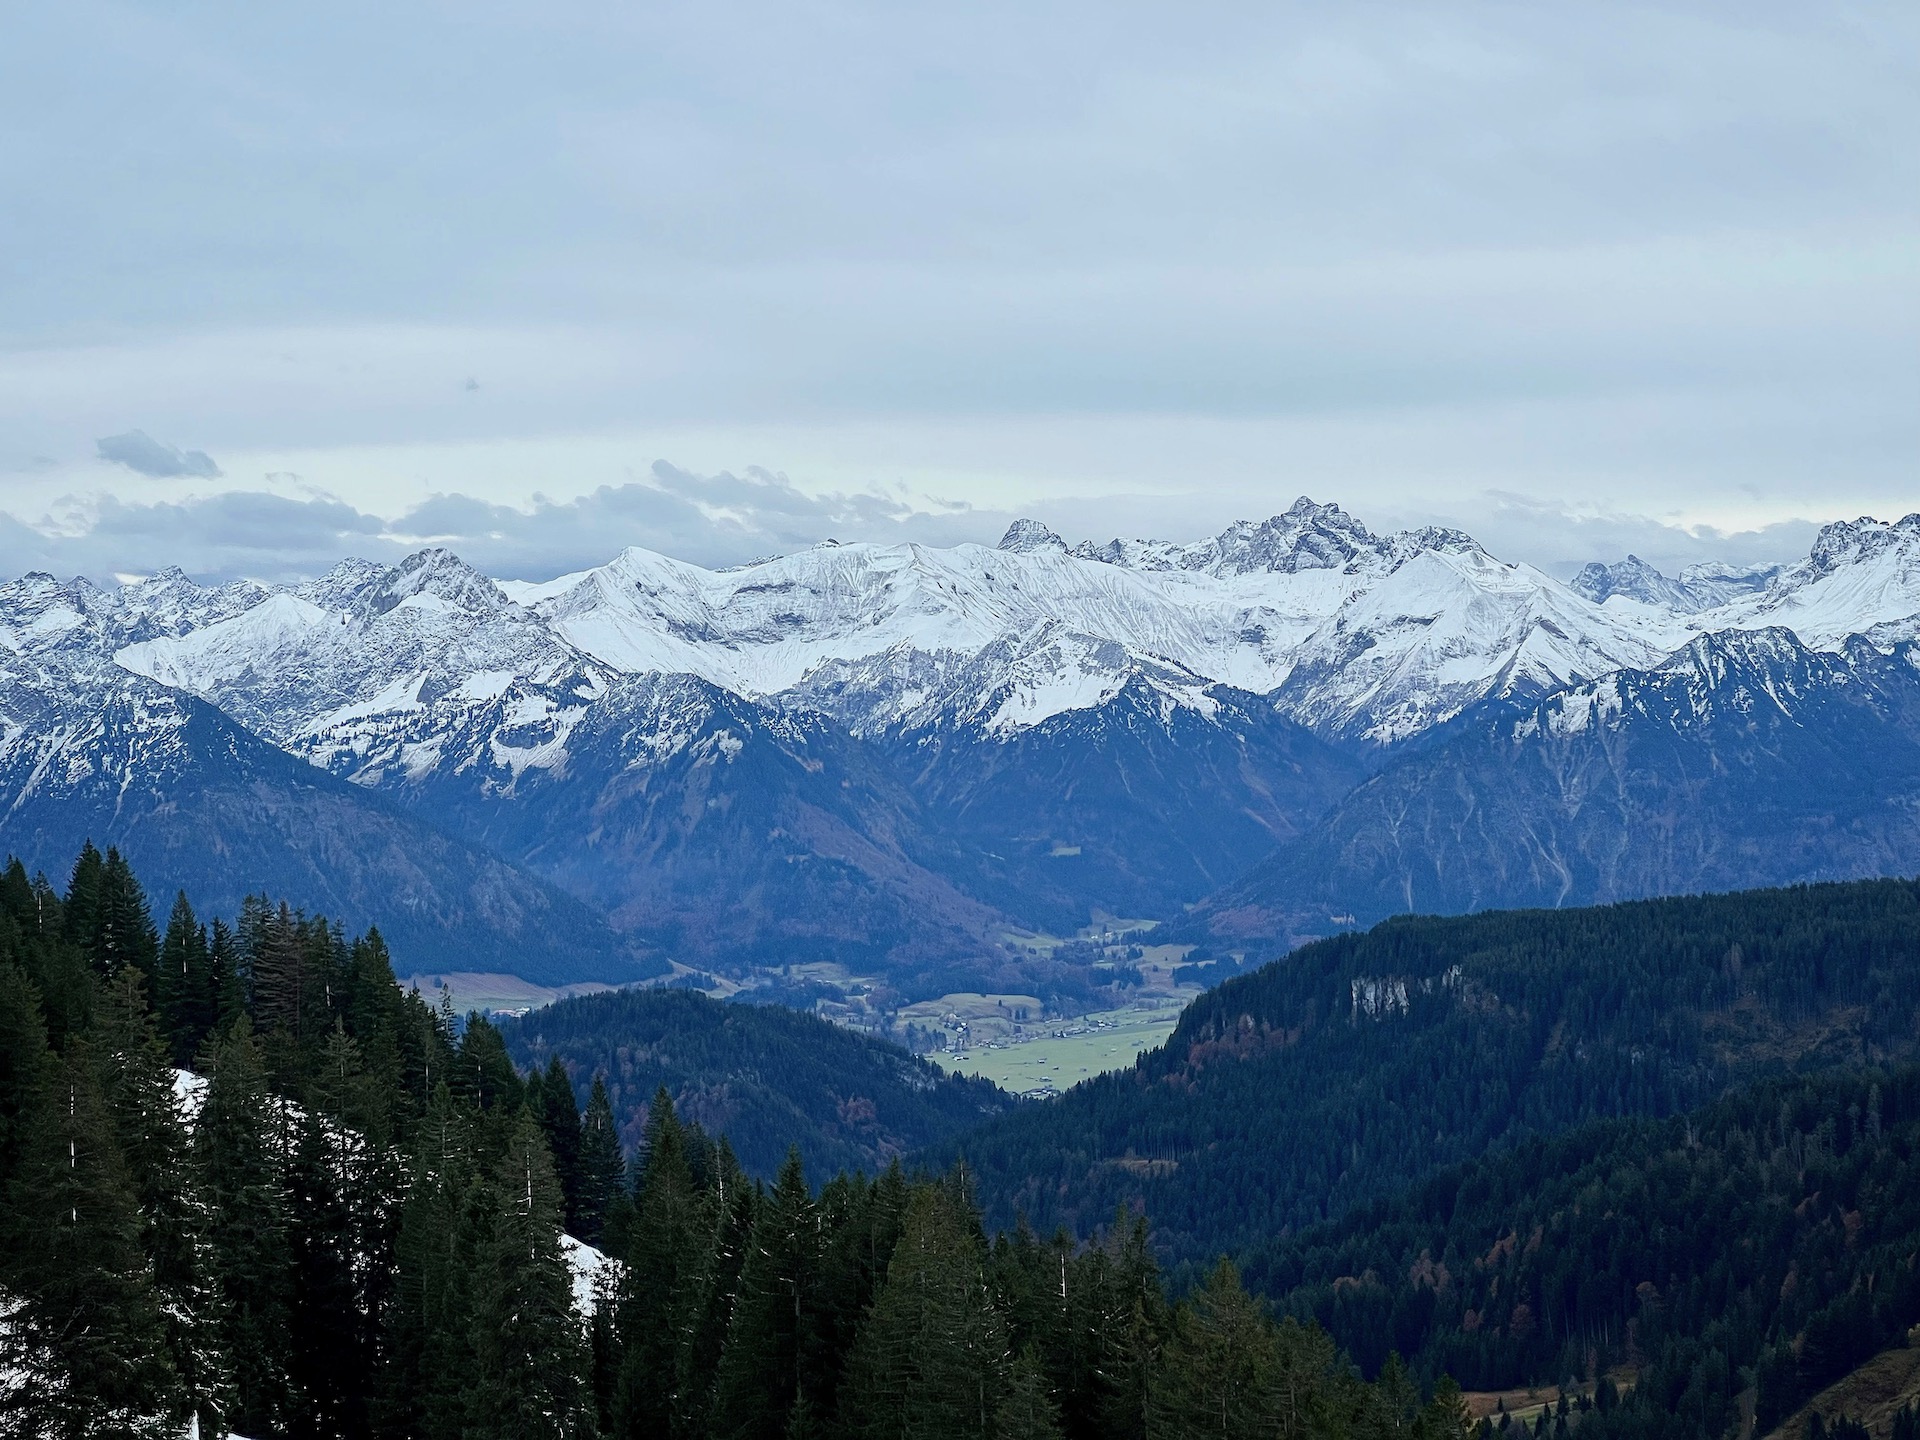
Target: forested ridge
(770, 1078)
(356, 1229)
(1345, 1071)
(1768, 1242)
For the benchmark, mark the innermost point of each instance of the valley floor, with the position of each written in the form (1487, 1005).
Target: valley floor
(1056, 1055)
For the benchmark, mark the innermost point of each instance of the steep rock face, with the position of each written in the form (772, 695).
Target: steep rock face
(1743, 759)
(1078, 776)
(1367, 637)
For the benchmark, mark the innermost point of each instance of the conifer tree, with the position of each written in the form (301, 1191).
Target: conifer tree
(731, 1208)
(602, 1167)
(229, 973)
(24, 1061)
(192, 993)
(559, 1116)
(124, 933)
(1026, 1411)
(278, 967)
(237, 1152)
(1219, 1368)
(662, 1263)
(483, 1071)
(80, 908)
(529, 1354)
(931, 1360)
(772, 1350)
(90, 1315)
(429, 1326)
(139, 1088)
(329, 1351)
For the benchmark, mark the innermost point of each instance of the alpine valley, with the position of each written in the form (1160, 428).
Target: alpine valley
(927, 768)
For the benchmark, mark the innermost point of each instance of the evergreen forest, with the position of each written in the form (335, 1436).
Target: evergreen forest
(247, 1182)
(1338, 1075)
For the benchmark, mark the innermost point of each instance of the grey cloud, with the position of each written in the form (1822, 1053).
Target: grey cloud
(233, 534)
(719, 519)
(710, 520)
(724, 519)
(1560, 539)
(140, 452)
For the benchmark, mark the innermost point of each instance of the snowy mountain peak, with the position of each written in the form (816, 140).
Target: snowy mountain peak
(1307, 536)
(1699, 587)
(1722, 654)
(1023, 537)
(434, 579)
(1851, 542)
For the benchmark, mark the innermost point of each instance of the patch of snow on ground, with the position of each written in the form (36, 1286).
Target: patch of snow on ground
(594, 1273)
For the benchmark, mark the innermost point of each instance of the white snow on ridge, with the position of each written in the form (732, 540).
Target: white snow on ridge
(376, 672)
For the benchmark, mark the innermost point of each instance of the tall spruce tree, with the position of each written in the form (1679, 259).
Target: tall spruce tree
(81, 907)
(931, 1361)
(529, 1355)
(603, 1167)
(483, 1072)
(191, 989)
(238, 1153)
(89, 1311)
(124, 934)
(772, 1358)
(732, 1208)
(668, 1236)
(428, 1328)
(329, 1352)
(1027, 1411)
(141, 1096)
(559, 1116)
(1220, 1370)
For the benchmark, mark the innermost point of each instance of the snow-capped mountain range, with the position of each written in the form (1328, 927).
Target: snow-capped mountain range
(879, 744)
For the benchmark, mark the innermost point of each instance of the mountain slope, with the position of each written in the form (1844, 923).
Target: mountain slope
(730, 833)
(898, 754)
(185, 792)
(1135, 807)
(1769, 1235)
(763, 1076)
(1335, 1076)
(1744, 758)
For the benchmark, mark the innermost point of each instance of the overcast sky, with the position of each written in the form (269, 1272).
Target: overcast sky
(282, 283)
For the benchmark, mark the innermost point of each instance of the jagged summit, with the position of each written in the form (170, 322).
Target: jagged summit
(1024, 537)
(924, 746)
(1358, 634)
(434, 577)
(1699, 587)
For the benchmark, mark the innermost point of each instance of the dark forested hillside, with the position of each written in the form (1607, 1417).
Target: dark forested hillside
(765, 1077)
(1769, 1239)
(1335, 1076)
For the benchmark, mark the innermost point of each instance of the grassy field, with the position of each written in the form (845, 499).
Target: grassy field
(1053, 1058)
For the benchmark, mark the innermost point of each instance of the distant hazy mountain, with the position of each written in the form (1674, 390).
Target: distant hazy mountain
(899, 755)
(1744, 758)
